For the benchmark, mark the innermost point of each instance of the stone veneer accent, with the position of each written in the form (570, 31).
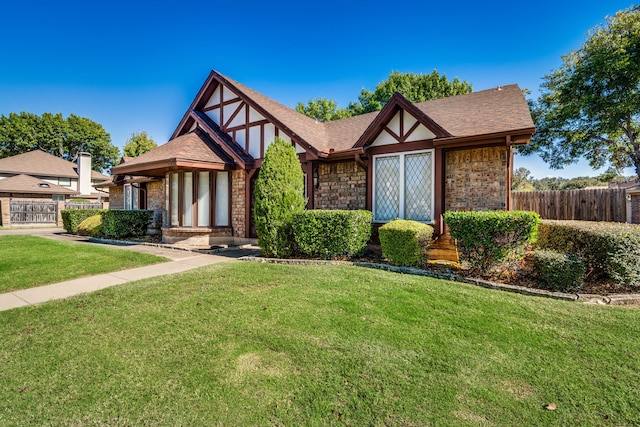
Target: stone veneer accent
(238, 180)
(197, 236)
(116, 197)
(155, 195)
(342, 185)
(476, 179)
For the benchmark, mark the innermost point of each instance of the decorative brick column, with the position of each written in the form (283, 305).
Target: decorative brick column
(5, 212)
(59, 222)
(238, 189)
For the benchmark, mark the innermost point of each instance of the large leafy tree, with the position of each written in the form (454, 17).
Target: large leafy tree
(139, 143)
(416, 87)
(590, 106)
(65, 138)
(279, 194)
(322, 109)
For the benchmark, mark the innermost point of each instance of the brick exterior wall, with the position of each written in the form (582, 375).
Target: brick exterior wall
(476, 179)
(155, 195)
(116, 197)
(635, 208)
(342, 185)
(237, 202)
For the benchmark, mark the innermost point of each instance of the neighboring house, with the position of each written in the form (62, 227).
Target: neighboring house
(408, 160)
(40, 175)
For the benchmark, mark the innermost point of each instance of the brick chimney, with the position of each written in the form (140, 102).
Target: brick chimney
(84, 173)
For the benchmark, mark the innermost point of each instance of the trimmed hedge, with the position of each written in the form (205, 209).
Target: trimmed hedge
(91, 226)
(558, 272)
(123, 223)
(332, 233)
(492, 237)
(71, 218)
(405, 242)
(609, 249)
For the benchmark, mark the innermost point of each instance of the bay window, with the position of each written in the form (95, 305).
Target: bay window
(403, 186)
(199, 198)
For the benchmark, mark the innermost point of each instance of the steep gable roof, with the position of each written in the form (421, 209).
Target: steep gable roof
(40, 163)
(491, 111)
(28, 184)
(494, 112)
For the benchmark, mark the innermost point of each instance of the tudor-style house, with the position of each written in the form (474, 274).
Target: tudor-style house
(411, 161)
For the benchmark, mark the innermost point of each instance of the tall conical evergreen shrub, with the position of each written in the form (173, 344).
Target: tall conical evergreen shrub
(279, 193)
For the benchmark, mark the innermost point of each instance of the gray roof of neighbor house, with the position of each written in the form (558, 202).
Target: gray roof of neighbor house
(28, 184)
(40, 163)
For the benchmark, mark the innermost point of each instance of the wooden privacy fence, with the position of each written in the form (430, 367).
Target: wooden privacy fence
(33, 212)
(602, 204)
(82, 205)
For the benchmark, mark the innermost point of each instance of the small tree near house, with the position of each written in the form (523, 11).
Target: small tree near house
(279, 193)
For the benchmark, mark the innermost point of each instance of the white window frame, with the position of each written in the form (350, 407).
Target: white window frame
(401, 178)
(131, 196)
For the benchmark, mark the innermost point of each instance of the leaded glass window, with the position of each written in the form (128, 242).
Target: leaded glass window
(403, 186)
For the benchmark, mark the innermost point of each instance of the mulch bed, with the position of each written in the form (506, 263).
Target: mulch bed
(518, 276)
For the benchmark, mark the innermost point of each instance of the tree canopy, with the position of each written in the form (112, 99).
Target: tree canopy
(138, 143)
(523, 181)
(65, 138)
(590, 106)
(416, 87)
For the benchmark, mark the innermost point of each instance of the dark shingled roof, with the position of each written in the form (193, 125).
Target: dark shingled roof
(195, 145)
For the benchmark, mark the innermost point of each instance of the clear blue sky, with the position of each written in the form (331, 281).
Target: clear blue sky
(136, 65)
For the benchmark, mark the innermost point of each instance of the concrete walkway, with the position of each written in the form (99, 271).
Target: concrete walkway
(181, 260)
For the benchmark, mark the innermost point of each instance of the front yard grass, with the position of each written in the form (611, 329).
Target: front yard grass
(243, 344)
(28, 261)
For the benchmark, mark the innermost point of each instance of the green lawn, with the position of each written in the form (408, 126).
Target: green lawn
(28, 261)
(243, 344)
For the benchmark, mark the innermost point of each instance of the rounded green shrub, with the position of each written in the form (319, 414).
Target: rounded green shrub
(489, 238)
(332, 233)
(609, 249)
(91, 226)
(279, 194)
(71, 218)
(117, 224)
(557, 271)
(405, 242)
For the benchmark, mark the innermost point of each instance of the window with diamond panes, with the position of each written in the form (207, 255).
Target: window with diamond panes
(387, 188)
(403, 187)
(417, 186)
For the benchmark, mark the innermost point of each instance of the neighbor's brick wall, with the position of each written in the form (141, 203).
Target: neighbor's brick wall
(476, 179)
(237, 202)
(116, 197)
(342, 185)
(635, 208)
